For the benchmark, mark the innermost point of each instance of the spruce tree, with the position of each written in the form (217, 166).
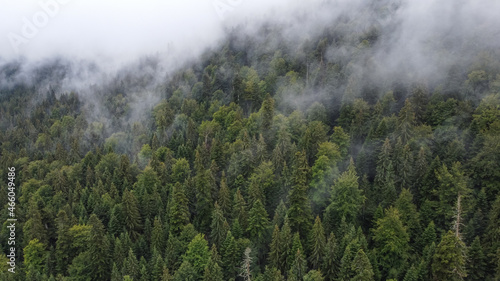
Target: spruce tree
(132, 215)
(449, 260)
(219, 226)
(317, 243)
(476, 263)
(213, 270)
(131, 265)
(362, 267)
(258, 221)
(275, 251)
(385, 178)
(330, 264)
(391, 240)
(99, 264)
(178, 211)
(197, 255)
(299, 212)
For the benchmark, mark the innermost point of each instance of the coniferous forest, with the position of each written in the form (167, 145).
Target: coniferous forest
(264, 159)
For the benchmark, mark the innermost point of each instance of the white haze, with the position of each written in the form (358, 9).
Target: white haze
(101, 40)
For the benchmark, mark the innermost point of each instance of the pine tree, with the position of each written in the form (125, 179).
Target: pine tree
(213, 271)
(64, 252)
(362, 267)
(157, 266)
(275, 252)
(224, 197)
(157, 235)
(246, 265)
(99, 264)
(406, 122)
(408, 213)
(178, 211)
(299, 266)
(346, 195)
(258, 221)
(476, 264)
(219, 226)
(279, 214)
(240, 209)
(115, 274)
(272, 274)
(314, 275)
(130, 265)
(197, 255)
(391, 241)
(186, 272)
(449, 259)
(428, 236)
(132, 215)
(411, 274)
(117, 220)
(330, 264)
(317, 242)
(229, 257)
(299, 212)
(384, 179)
(286, 241)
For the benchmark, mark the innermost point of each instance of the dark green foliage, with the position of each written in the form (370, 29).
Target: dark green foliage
(449, 260)
(249, 146)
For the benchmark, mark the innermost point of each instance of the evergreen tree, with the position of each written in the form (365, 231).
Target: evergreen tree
(384, 179)
(132, 215)
(476, 263)
(219, 226)
(299, 212)
(276, 251)
(346, 195)
(330, 264)
(185, 273)
(157, 235)
(197, 255)
(131, 265)
(99, 264)
(224, 197)
(229, 257)
(258, 221)
(317, 242)
(63, 244)
(286, 241)
(391, 241)
(448, 262)
(411, 274)
(362, 267)
(240, 209)
(178, 211)
(213, 271)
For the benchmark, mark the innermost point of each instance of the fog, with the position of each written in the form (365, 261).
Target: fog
(87, 46)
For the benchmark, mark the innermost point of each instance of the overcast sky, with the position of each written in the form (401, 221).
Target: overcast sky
(122, 29)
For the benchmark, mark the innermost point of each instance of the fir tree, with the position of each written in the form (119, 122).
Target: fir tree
(299, 212)
(219, 226)
(448, 262)
(213, 271)
(131, 213)
(362, 267)
(276, 250)
(178, 212)
(317, 242)
(476, 263)
(330, 264)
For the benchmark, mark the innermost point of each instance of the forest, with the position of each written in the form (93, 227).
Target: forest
(264, 159)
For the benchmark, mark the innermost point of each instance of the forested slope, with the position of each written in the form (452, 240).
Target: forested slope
(265, 160)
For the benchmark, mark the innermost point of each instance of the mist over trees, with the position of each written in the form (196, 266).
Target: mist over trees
(351, 140)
